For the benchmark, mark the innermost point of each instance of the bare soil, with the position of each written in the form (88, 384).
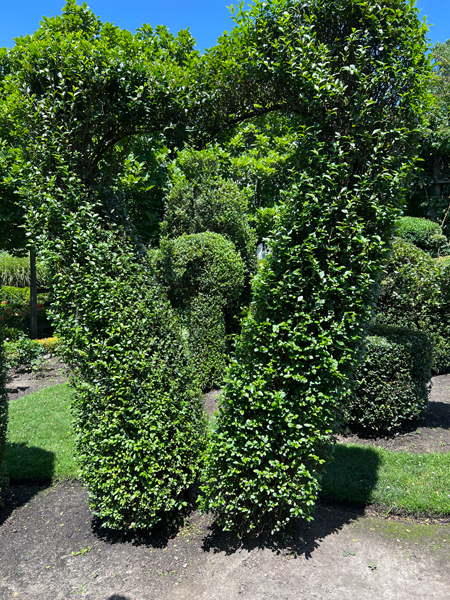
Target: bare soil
(21, 381)
(53, 548)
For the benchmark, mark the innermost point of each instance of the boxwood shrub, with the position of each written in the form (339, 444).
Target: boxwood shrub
(138, 417)
(204, 278)
(415, 293)
(424, 234)
(199, 200)
(392, 381)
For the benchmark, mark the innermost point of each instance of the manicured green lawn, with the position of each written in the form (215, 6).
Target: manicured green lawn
(40, 439)
(40, 447)
(413, 483)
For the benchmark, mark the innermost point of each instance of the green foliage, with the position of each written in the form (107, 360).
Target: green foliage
(415, 293)
(392, 381)
(15, 271)
(12, 217)
(200, 199)
(424, 234)
(434, 147)
(15, 310)
(24, 352)
(352, 72)
(204, 277)
(138, 417)
(313, 296)
(3, 415)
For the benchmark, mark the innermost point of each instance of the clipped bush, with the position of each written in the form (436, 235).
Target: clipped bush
(200, 200)
(415, 293)
(424, 234)
(392, 382)
(204, 277)
(3, 415)
(15, 271)
(138, 417)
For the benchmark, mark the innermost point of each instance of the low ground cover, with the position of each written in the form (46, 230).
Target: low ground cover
(40, 446)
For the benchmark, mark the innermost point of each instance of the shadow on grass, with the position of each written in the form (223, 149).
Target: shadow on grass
(30, 470)
(28, 464)
(351, 476)
(347, 485)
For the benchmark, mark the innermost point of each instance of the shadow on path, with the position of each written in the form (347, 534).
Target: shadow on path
(352, 473)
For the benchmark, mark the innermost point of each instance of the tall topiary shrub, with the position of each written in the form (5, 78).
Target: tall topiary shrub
(204, 278)
(289, 381)
(138, 417)
(201, 199)
(354, 73)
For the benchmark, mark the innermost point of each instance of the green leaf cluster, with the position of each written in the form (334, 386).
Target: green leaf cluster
(201, 199)
(351, 75)
(392, 381)
(415, 294)
(424, 234)
(204, 278)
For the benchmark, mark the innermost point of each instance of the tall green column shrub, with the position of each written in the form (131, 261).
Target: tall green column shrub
(138, 418)
(312, 300)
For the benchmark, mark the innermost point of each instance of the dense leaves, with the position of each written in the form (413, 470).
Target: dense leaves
(351, 73)
(200, 199)
(313, 297)
(415, 293)
(392, 382)
(138, 416)
(204, 278)
(425, 234)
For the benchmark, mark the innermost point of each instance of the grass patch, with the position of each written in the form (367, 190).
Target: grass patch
(410, 483)
(40, 438)
(40, 447)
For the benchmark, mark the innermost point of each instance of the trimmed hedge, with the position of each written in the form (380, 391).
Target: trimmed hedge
(204, 278)
(392, 382)
(424, 234)
(138, 417)
(415, 293)
(200, 200)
